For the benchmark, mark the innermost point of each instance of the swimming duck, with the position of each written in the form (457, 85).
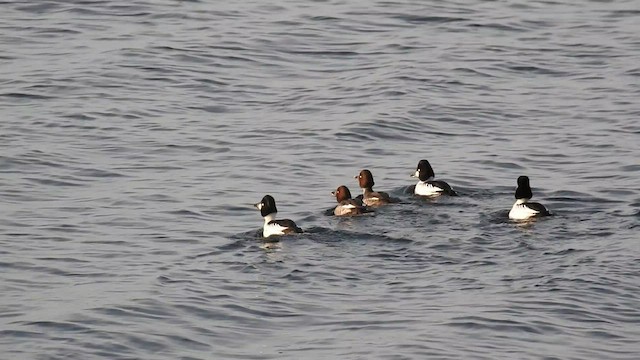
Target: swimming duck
(370, 197)
(523, 209)
(272, 226)
(346, 205)
(427, 186)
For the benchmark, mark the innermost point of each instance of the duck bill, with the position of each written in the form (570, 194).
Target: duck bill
(416, 174)
(258, 206)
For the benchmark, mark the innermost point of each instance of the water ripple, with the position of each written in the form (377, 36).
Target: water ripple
(137, 135)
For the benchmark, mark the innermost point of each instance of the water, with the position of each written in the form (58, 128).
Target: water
(136, 135)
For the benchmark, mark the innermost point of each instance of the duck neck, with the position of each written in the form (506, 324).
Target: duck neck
(521, 201)
(269, 218)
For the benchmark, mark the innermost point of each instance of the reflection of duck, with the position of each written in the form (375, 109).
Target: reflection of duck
(370, 197)
(523, 209)
(427, 186)
(272, 226)
(346, 205)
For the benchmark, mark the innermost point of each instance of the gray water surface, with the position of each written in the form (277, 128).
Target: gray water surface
(135, 135)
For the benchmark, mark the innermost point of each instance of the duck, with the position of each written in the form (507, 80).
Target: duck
(427, 186)
(346, 205)
(370, 197)
(268, 210)
(523, 209)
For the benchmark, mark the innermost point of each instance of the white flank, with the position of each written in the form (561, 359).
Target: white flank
(520, 211)
(426, 189)
(371, 201)
(343, 210)
(272, 229)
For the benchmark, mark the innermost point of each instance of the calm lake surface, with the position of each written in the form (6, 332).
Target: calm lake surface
(136, 135)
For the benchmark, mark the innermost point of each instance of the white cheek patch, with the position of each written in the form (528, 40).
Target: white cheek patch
(259, 206)
(417, 173)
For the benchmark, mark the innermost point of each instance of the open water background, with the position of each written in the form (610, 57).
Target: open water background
(135, 135)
